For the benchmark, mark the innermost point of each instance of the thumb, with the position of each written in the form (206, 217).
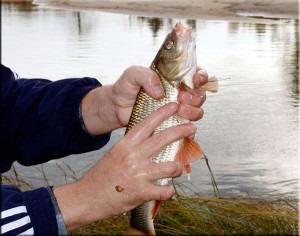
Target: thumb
(153, 87)
(147, 78)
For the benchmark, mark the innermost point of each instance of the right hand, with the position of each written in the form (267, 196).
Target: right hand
(128, 165)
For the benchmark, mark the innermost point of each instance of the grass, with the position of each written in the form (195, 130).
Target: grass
(212, 216)
(185, 215)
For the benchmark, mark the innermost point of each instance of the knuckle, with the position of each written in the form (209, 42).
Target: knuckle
(128, 162)
(203, 73)
(140, 127)
(172, 169)
(142, 153)
(197, 114)
(126, 157)
(166, 194)
(128, 70)
(144, 194)
(157, 139)
(168, 169)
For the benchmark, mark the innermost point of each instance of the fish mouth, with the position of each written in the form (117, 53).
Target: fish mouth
(188, 37)
(182, 31)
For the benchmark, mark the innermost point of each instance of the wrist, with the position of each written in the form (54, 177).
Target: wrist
(62, 230)
(98, 111)
(75, 205)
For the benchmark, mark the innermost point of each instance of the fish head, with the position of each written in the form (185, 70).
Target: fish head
(176, 59)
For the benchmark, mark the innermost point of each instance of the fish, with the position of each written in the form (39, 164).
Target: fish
(175, 64)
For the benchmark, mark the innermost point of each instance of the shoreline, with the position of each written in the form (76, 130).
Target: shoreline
(241, 10)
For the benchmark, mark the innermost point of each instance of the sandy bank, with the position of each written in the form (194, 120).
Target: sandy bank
(224, 9)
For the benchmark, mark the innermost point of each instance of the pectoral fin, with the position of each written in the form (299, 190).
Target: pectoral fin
(188, 152)
(211, 85)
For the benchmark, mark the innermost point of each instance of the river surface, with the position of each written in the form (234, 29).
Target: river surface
(250, 130)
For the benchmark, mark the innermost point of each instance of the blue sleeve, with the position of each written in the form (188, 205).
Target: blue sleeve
(27, 213)
(41, 119)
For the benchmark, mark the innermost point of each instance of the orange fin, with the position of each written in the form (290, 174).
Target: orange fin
(211, 85)
(155, 208)
(189, 152)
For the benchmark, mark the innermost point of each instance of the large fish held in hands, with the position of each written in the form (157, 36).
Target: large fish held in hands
(175, 63)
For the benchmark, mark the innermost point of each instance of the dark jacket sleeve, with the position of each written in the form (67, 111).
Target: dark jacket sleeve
(27, 213)
(41, 119)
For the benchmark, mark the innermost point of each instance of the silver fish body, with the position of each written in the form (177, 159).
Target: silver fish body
(175, 64)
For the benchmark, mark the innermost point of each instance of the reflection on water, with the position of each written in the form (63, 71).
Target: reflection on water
(250, 128)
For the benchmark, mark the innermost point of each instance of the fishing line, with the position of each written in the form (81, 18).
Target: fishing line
(223, 79)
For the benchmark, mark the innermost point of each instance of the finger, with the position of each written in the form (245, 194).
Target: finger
(189, 112)
(155, 192)
(200, 77)
(146, 127)
(170, 169)
(147, 78)
(160, 193)
(196, 99)
(154, 144)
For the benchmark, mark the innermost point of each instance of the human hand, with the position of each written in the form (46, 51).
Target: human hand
(191, 101)
(126, 176)
(125, 91)
(109, 107)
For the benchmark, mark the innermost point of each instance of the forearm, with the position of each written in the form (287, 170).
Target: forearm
(43, 115)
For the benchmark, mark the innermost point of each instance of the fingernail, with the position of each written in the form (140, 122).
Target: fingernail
(158, 91)
(172, 106)
(193, 127)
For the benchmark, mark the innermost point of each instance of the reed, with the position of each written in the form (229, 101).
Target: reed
(184, 215)
(199, 215)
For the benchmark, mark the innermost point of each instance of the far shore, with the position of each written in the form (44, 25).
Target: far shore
(192, 9)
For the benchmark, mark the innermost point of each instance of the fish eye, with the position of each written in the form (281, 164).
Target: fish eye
(169, 45)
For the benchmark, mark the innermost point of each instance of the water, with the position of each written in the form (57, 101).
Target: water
(250, 131)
